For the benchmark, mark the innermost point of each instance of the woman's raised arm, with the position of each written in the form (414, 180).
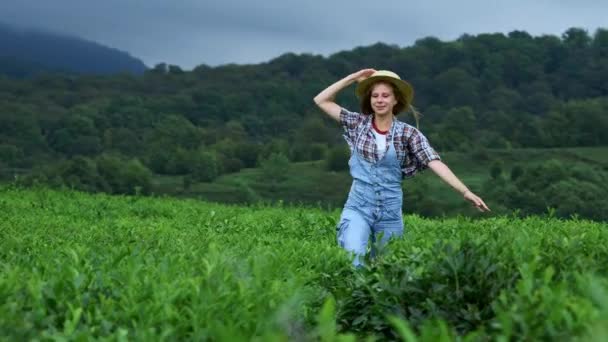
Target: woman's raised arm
(325, 99)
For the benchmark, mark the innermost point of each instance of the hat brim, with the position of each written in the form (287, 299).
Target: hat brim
(402, 86)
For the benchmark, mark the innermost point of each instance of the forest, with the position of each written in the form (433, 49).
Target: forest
(488, 98)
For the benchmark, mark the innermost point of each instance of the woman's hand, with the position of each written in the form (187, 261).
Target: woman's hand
(475, 200)
(325, 99)
(448, 176)
(362, 74)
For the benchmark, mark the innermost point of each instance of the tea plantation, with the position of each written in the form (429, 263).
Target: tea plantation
(76, 266)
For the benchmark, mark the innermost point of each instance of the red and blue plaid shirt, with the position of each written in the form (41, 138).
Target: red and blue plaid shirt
(413, 149)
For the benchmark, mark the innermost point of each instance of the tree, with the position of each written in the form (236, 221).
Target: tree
(275, 168)
(20, 127)
(124, 176)
(455, 87)
(516, 172)
(305, 151)
(79, 173)
(569, 189)
(173, 131)
(204, 166)
(122, 140)
(496, 170)
(76, 135)
(9, 154)
(493, 90)
(337, 158)
(275, 145)
(247, 153)
(457, 129)
(235, 131)
(576, 38)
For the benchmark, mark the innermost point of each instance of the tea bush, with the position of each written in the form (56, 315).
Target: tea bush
(78, 266)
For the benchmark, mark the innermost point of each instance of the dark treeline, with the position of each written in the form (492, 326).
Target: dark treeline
(489, 90)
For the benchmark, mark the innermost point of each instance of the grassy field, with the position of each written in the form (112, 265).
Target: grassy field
(77, 266)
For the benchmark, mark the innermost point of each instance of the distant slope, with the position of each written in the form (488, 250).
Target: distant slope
(17, 67)
(27, 52)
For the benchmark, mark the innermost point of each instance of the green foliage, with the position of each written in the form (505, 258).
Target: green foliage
(486, 91)
(78, 266)
(480, 154)
(457, 128)
(467, 275)
(124, 176)
(457, 88)
(9, 154)
(305, 151)
(275, 168)
(490, 89)
(274, 146)
(516, 172)
(173, 131)
(567, 188)
(80, 173)
(76, 135)
(204, 166)
(19, 125)
(426, 194)
(337, 158)
(586, 118)
(247, 153)
(230, 151)
(106, 173)
(122, 140)
(496, 170)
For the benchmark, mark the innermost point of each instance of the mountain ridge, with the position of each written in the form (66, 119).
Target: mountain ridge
(27, 51)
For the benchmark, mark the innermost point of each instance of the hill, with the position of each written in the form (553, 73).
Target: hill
(79, 266)
(196, 130)
(312, 184)
(24, 53)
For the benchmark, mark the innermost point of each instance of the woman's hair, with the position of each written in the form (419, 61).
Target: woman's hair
(366, 104)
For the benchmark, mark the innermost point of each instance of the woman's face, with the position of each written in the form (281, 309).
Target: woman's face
(382, 99)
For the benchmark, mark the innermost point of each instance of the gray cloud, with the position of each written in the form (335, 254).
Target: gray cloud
(190, 32)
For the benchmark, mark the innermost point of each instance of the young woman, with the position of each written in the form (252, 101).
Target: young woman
(384, 150)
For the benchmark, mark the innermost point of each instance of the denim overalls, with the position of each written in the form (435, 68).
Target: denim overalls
(374, 202)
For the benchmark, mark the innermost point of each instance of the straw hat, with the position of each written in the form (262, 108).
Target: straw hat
(384, 75)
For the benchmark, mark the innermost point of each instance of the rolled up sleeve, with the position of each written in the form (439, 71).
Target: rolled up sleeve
(420, 153)
(349, 122)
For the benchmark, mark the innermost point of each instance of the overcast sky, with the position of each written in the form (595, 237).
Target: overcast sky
(214, 32)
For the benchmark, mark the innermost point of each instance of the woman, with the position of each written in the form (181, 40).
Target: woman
(384, 150)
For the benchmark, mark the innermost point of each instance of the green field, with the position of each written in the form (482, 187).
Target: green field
(77, 266)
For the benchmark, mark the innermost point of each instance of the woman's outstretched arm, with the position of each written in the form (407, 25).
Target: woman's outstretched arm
(325, 99)
(444, 172)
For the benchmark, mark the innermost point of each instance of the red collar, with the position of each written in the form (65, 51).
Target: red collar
(376, 127)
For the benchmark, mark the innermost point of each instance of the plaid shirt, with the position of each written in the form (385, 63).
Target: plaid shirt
(413, 149)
